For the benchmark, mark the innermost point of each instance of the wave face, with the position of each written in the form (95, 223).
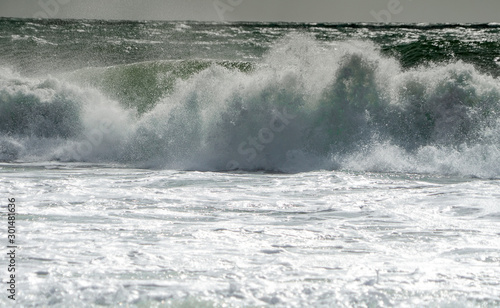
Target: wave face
(306, 104)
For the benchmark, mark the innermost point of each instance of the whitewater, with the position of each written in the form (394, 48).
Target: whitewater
(185, 164)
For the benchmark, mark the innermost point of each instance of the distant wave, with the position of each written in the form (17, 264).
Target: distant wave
(305, 106)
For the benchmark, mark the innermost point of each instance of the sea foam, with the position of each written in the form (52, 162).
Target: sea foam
(305, 105)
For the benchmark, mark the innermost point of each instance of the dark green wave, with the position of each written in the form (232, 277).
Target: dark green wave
(141, 85)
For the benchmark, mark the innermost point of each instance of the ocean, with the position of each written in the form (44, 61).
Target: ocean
(194, 164)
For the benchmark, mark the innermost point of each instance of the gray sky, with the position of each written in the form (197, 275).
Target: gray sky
(261, 10)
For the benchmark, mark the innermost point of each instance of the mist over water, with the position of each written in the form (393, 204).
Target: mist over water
(305, 105)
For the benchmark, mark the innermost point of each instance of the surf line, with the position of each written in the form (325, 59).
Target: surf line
(250, 149)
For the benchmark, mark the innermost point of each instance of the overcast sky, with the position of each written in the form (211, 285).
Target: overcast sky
(261, 10)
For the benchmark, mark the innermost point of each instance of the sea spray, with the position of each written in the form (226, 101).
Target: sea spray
(352, 107)
(395, 122)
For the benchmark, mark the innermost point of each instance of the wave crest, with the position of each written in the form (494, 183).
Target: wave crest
(306, 105)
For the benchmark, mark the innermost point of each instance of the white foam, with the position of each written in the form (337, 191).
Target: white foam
(346, 106)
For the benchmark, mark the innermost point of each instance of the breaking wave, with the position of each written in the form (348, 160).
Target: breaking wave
(306, 105)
